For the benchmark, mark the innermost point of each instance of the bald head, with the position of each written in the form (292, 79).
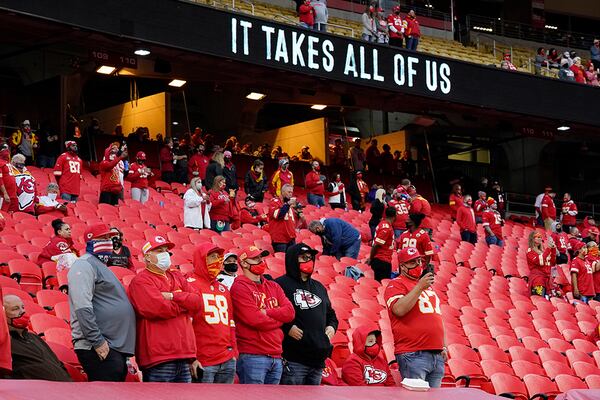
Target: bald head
(13, 306)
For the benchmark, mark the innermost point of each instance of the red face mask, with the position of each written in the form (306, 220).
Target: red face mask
(317, 168)
(307, 267)
(358, 176)
(338, 179)
(373, 351)
(214, 268)
(415, 272)
(21, 322)
(258, 269)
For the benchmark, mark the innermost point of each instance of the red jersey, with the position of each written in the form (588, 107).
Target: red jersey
(418, 239)
(421, 328)
(539, 267)
(493, 219)
(251, 216)
(8, 180)
(314, 184)
(280, 178)
(160, 321)
(138, 175)
(420, 205)
(455, 201)
(548, 207)
(5, 353)
(585, 279)
(110, 174)
(479, 207)
(213, 326)
(282, 221)
(465, 218)
(198, 163)
(595, 275)
(413, 28)
(562, 242)
(569, 213)
(67, 172)
(395, 21)
(402, 210)
(166, 159)
(57, 245)
(220, 209)
(384, 238)
(261, 308)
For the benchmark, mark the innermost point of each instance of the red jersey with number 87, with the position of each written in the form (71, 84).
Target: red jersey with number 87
(418, 239)
(419, 329)
(384, 238)
(68, 173)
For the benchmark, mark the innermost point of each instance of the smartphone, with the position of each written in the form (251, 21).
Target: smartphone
(428, 269)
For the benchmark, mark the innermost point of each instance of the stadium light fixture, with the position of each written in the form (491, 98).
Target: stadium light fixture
(175, 123)
(177, 83)
(553, 27)
(482, 28)
(319, 107)
(563, 128)
(105, 70)
(141, 52)
(256, 96)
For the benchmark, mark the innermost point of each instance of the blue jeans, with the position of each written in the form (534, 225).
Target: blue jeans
(412, 43)
(352, 250)
(257, 369)
(585, 299)
(320, 26)
(467, 236)
(315, 199)
(173, 371)
(299, 374)
(398, 232)
(220, 373)
(490, 240)
(68, 197)
(425, 365)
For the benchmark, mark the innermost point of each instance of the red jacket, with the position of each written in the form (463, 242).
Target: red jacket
(455, 201)
(465, 218)
(420, 205)
(109, 173)
(57, 245)
(164, 327)
(138, 176)
(548, 207)
(307, 14)
(363, 370)
(166, 159)
(5, 353)
(220, 209)
(261, 308)
(247, 217)
(413, 28)
(569, 216)
(479, 207)
(213, 326)
(198, 163)
(313, 183)
(282, 221)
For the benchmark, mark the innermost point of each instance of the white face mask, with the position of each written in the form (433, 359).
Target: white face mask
(163, 261)
(52, 196)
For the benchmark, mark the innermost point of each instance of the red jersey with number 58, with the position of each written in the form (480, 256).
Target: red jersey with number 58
(68, 173)
(419, 329)
(418, 239)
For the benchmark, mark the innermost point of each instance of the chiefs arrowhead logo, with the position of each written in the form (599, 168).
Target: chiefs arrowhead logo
(374, 375)
(411, 251)
(160, 239)
(305, 299)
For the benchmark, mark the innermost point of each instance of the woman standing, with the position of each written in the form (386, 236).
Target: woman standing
(377, 207)
(369, 22)
(540, 259)
(336, 193)
(220, 210)
(255, 182)
(196, 204)
(215, 168)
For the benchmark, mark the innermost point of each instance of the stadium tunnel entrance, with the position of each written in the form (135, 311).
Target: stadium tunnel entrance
(48, 72)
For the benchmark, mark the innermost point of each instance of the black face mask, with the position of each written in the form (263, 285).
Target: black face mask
(140, 161)
(117, 243)
(286, 199)
(230, 267)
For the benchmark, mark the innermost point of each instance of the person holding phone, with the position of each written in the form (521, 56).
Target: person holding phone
(416, 318)
(539, 260)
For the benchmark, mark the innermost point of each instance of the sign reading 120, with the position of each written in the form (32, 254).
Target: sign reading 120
(362, 62)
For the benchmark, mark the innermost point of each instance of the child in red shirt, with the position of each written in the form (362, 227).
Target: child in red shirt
(367, 365)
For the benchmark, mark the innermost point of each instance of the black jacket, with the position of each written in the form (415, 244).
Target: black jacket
(256, 189)
(230, 175)
(313, 314)
(213, 170)
(376, 209)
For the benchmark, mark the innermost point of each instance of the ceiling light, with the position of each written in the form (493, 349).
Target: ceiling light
(256, 96)
(319, 107)
(551, 27)
(106, 70)
(177, 83)
(482, 28)
(563, 128)
(142, 52)
(175, 123)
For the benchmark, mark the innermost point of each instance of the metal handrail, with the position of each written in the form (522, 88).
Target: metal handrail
(286, 19)
(343, 27)
(494, 40)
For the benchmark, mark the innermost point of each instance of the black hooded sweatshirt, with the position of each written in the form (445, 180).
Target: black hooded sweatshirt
(313, 314)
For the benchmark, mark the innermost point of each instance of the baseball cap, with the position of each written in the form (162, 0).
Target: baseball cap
(230, 254)
(70, 143)
(490, 201)
(155, 242)
(26, 122)
(227, 154)
(252, 252)
(284, 161)
(578, 245)
(593, 230)
(141, 155)
(304, 248)
(95, 231)
(408, 254)
(249, 198)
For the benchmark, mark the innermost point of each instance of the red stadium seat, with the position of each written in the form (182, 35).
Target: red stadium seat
(540, 385)
(65, 354)
(458, 351)
(48, 298)
(62, 311)
(489, 352)
(6, 282)
(574, 356)
(518, 353)
(28, 274)
(568, 382)
(572, 334)
(583, 369)
(559, 345)
(42, 322)
(477, 340)
(509, 386)
(467, 371)
(505, 342)
(523, 368)
(547, 354)
(491, 367)
(60, 336)
(593, 381)
(554, 368)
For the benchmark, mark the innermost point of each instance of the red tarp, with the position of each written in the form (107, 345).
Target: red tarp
(27, 390)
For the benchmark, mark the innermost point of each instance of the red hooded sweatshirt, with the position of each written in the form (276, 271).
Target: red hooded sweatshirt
(198, 163)
(213, 326)
(313, 183)
(257, 332)
(363, 370)
(164, 327)
(220, 209)
(109, 173)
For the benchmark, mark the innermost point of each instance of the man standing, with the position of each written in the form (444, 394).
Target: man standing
(32, 358)
(548, 210)
(340, 239)
(198, 163)
(321, 15)
(164, 303)
(307, 340)
(167, 168)
(372, 156)
(396, 27)
(356, 155)
(383, 247)
(414, 311)
(465, 218)
(261, 309)
(538, 205)
(315, 186)
(111, 169)
(416, 236)
(97, 300)
(568, 213)
(455, 200)
(283, 176)
(492, 224)
(420, 205)
(138, 174)
(400, 203)
(67, 172)
(413, 31)
(213, 326)
(582, 270)
(8, 188)
(283, 214)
